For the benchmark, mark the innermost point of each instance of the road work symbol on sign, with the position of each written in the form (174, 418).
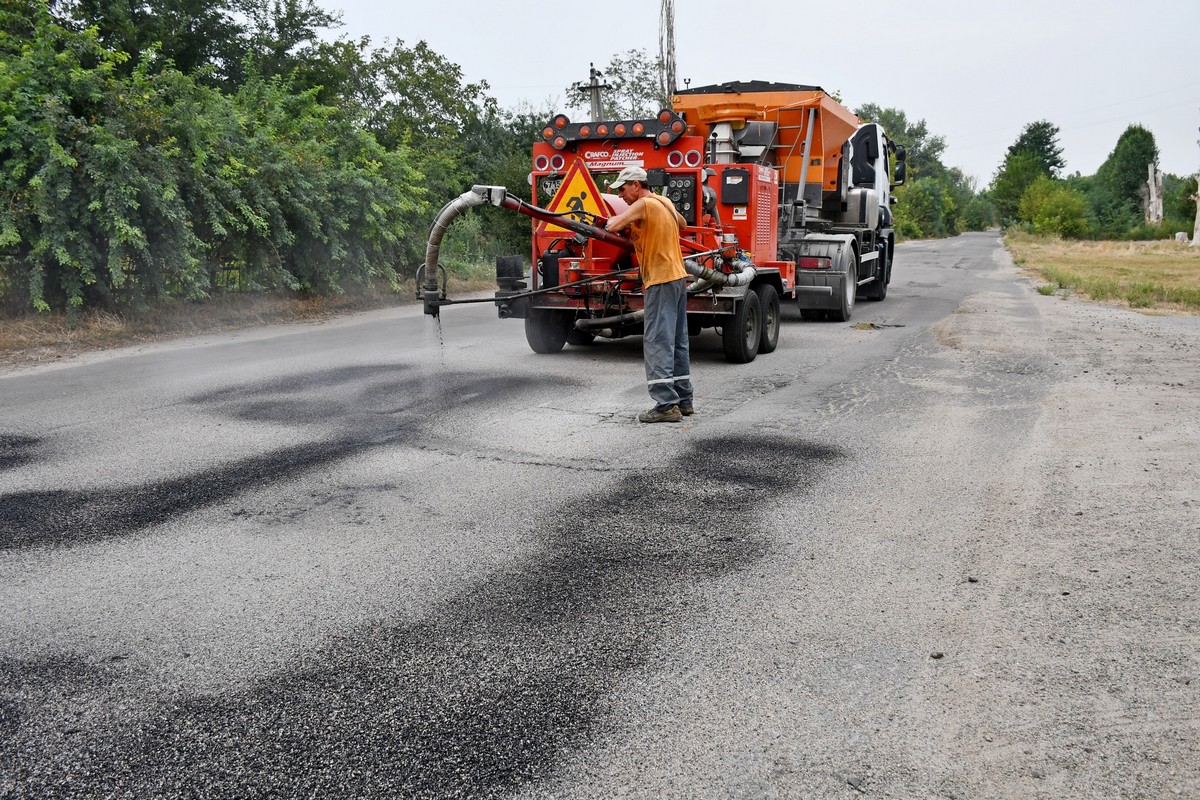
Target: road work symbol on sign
(577, 197)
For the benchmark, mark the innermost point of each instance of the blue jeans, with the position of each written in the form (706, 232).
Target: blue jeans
(665, 346)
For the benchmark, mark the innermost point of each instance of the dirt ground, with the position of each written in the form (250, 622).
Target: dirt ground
(1107, 673)
(31, 339)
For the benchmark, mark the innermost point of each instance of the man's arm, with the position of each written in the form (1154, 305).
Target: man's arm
(627, 217)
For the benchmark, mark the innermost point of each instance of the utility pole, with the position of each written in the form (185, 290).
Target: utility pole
(666, 47)
(1154, 196)
(592, 90)
(1196, 197)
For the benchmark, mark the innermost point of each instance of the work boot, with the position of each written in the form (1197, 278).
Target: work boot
(687, 409)
(668, 414)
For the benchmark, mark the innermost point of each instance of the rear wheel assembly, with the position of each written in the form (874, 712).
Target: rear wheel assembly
(849, 290)
(546, 331)
(768, 302)
(742, 333)
(877, 289)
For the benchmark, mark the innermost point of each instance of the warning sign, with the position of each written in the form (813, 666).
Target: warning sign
(577, 197)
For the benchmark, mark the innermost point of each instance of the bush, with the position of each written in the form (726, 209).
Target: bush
(925, 208)
(124, 187)
(979, 214)
(1050, 207)
(1164, 230)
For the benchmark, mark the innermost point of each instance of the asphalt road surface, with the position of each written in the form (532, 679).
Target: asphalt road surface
(951, 554)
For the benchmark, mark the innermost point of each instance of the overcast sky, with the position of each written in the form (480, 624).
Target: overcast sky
(976, 71)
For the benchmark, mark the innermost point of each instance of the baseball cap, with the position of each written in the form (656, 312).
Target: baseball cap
(629, 174)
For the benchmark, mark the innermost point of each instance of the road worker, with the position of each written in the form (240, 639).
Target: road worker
(655, 226)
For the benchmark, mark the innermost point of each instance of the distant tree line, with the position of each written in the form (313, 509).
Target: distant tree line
(172, 148)
(158, 150)
(1029, 190)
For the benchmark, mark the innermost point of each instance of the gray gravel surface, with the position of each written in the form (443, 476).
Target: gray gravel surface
(948, 554)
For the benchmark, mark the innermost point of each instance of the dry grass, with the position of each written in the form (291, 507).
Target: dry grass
(1151, 275)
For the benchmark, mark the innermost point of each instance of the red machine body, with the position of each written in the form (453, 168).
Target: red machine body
(784, 191)
(569, 170)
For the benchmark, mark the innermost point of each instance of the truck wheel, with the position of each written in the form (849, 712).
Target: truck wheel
(849, 290)
(768, 304)
(742, 332)
(546, 331)
(877, 289)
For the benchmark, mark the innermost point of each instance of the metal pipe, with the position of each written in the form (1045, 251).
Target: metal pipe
(808, 137)
(742, 278)
(441, 223)
(433, 247)
(514, 203)
(497, 196)
(589, 323)
(547, 290)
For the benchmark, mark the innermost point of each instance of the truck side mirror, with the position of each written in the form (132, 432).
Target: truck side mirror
(901, 171)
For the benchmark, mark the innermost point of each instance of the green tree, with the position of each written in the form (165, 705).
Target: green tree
(1035, 152)
(925, 209)
(127, 187)
(193, 35)
(1041, 139)
(1179, 203)
(329, 207)
(1018, 172)
(924, 149)
(56, 89)
(979, 214)
(1116, 188)
(937, 197)
(283, 34)
(1051, 207)
(421, 97)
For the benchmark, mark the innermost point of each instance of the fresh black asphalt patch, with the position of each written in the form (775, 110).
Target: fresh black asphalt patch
(63, 517)
(483, 697)
(365, 407)
(17, 450)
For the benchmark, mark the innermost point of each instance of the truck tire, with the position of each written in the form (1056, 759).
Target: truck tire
(877, 289)
(742, 332)
(546, 331)
(768, 305)
(849, 289)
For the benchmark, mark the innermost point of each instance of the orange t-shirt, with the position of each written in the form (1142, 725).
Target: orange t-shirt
(656, 243)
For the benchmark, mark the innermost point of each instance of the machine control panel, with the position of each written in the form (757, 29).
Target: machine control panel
(679, 188)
